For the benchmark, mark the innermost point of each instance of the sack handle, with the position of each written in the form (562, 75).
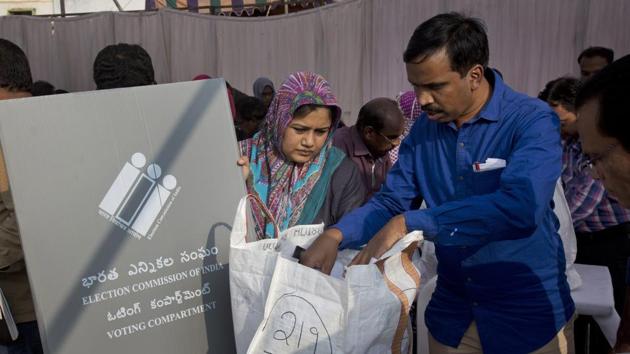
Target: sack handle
(256, 200)
(402, 244)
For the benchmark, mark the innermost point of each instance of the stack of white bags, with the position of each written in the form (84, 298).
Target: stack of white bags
(281, 306)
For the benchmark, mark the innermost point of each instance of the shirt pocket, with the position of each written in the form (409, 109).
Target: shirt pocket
(487, 181)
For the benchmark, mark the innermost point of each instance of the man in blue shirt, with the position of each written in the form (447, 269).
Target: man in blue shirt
(485, 159)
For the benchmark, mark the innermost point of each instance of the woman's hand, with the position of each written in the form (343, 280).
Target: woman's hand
(243, 161)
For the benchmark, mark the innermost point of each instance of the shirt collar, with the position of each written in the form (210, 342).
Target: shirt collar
(359, 146)
(491, 111)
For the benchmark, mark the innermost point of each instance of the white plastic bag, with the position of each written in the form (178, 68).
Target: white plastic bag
(252, 265)
(367, 312)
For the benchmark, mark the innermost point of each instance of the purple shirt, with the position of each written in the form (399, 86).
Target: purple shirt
(373, 171)
(592, 208)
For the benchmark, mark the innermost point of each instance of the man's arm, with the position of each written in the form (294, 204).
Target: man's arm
(526, 187)
(397, 195)
(516, 208)
(513, 211)
(356, 228)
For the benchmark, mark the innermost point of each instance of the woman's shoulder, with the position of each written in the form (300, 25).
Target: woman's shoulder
(344, 165)
(347, 166)
(345, 192)
(346, 173)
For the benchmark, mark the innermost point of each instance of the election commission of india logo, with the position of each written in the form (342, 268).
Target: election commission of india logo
(139, 199)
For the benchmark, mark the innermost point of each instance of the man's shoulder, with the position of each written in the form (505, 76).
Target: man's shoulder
(342, 133)
(423, 124)
(518, 104)
(342, 138)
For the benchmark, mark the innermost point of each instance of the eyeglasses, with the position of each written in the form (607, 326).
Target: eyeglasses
(394, 142)
(591, 161)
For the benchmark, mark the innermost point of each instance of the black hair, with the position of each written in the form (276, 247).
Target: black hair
(250, 109)
(42, 88)
(610, 87)
(305, 109)
(60, 91)
(236, 94)
(15, 72)
(544, 94)
(563, 91)
(123, 65)
(603, 52)
(376, 112)
(463, 37)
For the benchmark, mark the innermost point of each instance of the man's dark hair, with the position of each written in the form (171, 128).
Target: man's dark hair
(463, 37)
(123, 65)
(15, 73)
(563, 91)
(42, 88)
(251, 109)
(375, 112)
(603, 52)
(610, 87)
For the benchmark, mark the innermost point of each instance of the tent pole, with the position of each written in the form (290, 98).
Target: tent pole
(117, 5)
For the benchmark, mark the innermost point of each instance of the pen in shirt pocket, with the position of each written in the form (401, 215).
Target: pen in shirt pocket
(489, 165)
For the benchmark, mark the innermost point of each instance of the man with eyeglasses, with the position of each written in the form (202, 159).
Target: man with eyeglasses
(601, 224)
(378, 130)
(604, 129)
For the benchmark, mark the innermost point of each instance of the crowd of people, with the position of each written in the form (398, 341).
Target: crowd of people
(483, 158)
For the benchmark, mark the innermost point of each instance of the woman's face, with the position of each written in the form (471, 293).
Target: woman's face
(267, 95)
(306, 135)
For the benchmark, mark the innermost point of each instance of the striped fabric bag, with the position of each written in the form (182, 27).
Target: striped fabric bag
(365, 312)
(237, 7)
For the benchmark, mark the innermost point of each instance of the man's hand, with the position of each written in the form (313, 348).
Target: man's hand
(323, 252)
(391, 233)
(243, 161)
